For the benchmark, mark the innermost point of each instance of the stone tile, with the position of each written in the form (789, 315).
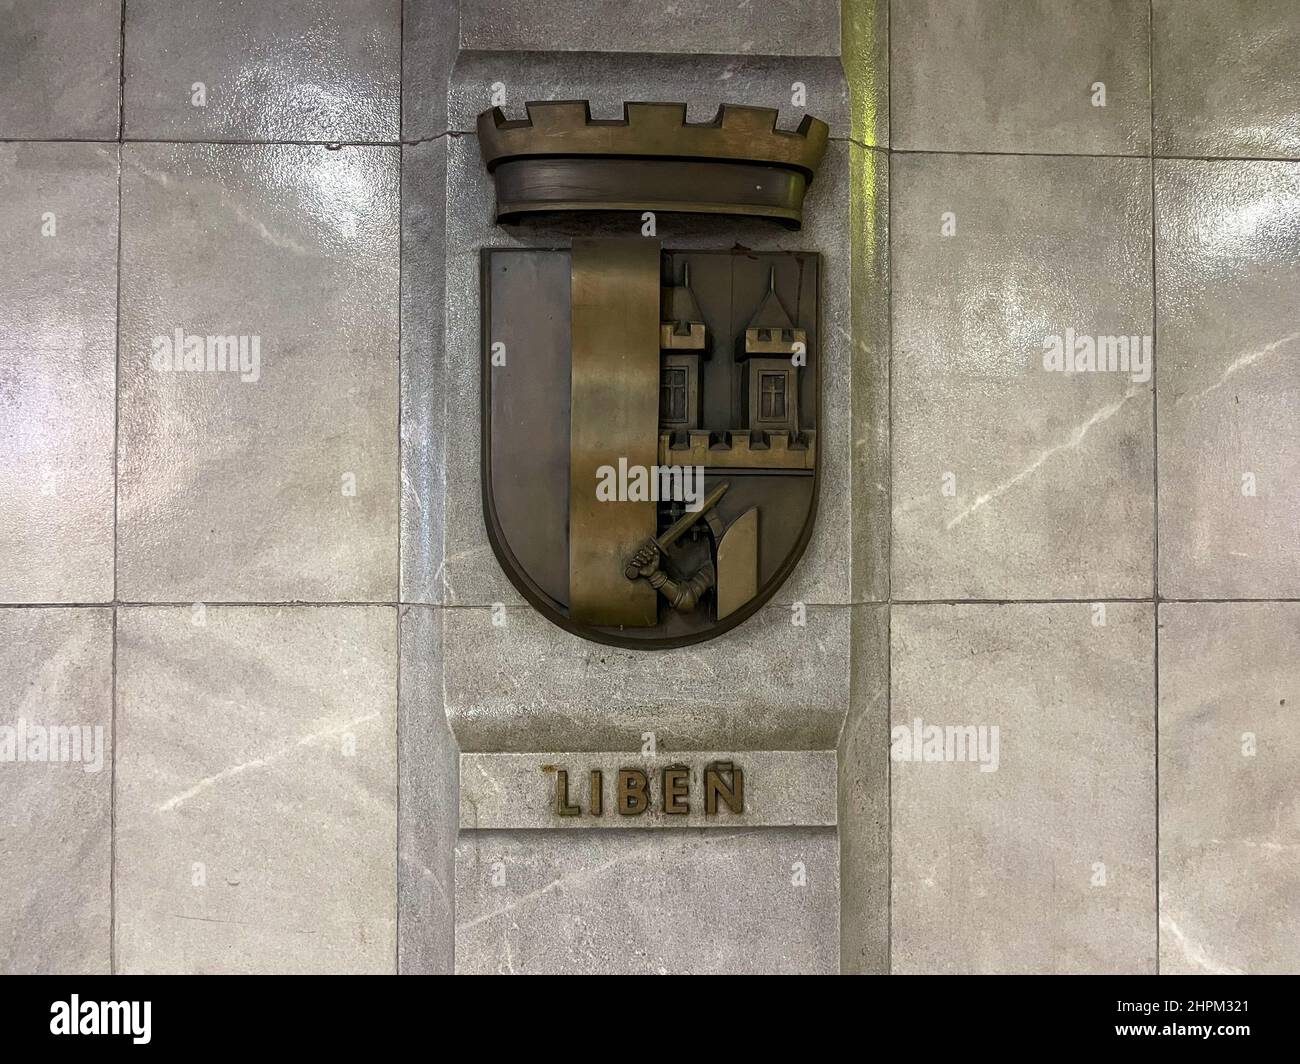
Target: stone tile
(1229, 746)
(1227, 270)
(863, 785)
(1019, 76)
(424, 369)
(278, 482)
(1010, 481)
(777, 27)
(849, 526)
(256, 828)
(55, 803)
(685, 901)
(527, 685)
(1227, 77)
(430, 42)
(1002, 871)
(62, 70)
(58, 312)
(315, 70)
(428, 774)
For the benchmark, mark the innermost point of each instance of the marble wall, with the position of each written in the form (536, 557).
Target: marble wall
(255, 715)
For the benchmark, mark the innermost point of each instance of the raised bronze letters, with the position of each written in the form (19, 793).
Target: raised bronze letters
(722, 783)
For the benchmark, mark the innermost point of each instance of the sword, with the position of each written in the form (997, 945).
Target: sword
(674, 531)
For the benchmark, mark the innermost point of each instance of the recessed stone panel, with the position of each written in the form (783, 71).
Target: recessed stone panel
(610, 902)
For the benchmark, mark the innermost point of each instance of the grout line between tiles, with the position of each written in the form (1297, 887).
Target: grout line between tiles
(117, 402)
(271, 604)
(237, 141)
(414, 141)
(889, 445)
(1163, 599)
(62, 140)
(121, 76)
(1155, 466)
(1018, 601)
(401, 453)
(1099, 155)
(112, 801)
(391, 604)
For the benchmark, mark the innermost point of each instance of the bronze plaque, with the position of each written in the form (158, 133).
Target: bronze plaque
(650, 454)
(613, 409)
(721, 783)
(558, 158)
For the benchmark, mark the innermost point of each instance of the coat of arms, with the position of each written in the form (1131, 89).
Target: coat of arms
(649, 451)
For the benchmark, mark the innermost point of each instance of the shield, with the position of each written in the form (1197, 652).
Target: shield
(649, 437)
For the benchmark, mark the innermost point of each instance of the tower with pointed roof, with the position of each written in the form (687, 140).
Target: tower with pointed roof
(769, 389)
(683, 344)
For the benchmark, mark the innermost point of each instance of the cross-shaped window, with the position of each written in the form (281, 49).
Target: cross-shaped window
(771, 396)
(672, 396)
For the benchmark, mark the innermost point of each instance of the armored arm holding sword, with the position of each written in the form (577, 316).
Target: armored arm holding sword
(680, 594)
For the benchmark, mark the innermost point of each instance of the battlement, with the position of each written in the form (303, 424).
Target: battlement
(735, 134)
(560, 158)
(774, 342)
(690, 338)
(739, 449)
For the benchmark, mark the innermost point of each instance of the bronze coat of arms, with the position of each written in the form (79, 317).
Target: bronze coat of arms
(649, 450)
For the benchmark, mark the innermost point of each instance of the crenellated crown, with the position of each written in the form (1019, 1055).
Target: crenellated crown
(561, 159)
